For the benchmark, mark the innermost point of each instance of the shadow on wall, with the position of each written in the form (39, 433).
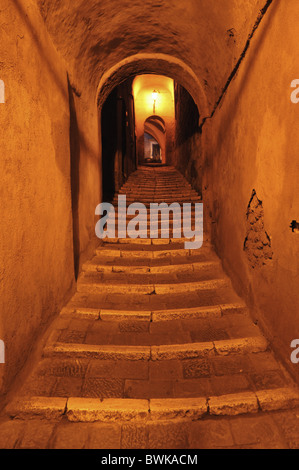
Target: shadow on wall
(40, 43)
(109, 121)
(75, 177)
(188, 151)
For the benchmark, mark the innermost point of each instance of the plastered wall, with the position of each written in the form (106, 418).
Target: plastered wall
(251, 178)
(36, 259)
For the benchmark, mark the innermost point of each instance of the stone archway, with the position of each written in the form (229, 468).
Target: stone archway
(161, 64)
(153, 64)
(155, 126)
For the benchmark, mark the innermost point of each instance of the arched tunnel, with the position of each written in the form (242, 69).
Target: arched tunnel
(129, 336)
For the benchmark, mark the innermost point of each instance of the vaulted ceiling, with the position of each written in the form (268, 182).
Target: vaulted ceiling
(207, 35)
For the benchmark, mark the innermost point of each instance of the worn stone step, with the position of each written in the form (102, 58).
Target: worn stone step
(106, 352)
(177, 194)
(163, 315)
(168, 234)
(112, 409)
(120, 251)
(162, 220)
(208, 272)
(137, 302)
(120, 210)
(97, 265)
(196, 312)
(89, 285)
(159, 199)
(147, 240)
(158, 353)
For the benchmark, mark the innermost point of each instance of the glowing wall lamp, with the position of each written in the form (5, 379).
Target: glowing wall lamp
(154, 96)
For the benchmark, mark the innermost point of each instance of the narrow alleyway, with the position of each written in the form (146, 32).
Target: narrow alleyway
(154, 350)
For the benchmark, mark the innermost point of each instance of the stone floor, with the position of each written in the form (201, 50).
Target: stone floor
(275, 430)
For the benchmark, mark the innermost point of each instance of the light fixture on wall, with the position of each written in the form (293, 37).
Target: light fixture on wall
(155, 96)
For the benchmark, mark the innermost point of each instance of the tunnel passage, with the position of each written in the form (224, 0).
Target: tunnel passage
(155, 115)
(249, 142)
(148, 119)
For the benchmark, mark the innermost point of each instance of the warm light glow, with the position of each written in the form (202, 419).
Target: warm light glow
(149, 90)
(155, 95)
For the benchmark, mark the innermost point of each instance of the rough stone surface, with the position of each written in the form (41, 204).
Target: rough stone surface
(37, 406)
(178, 408)
(276, 399)
(181, 351)
(257, 244)
(89, 410)
(253, 345)
(233, 404)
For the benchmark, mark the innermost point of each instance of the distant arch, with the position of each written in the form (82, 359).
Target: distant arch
(157, 122)
(155, 126)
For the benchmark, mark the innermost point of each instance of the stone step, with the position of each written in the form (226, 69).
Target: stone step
(161, 216)
(163, 223)
(138, 178)
(128, 251)
(146, 193)
(173, 178)
(202, 254)
(89, 284)
(97, 265)
(123, 410)
(139, 302)
(153, 201)
(162, 189)
(168, 231)
(166, 352)
(168, 219)
(167, 235)
(186, 313)
(182, 191)
(155, 191)
(205, 272)
(159, 200)
(147, 241)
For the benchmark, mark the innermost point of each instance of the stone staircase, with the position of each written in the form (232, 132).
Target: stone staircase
(154, 333)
